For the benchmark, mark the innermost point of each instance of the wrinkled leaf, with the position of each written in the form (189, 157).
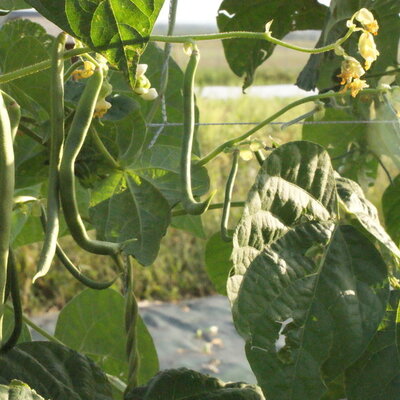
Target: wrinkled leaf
(93, 324)
(310, 304)
(295, 185)
(365, 212)
(55, 372)
(245, 55)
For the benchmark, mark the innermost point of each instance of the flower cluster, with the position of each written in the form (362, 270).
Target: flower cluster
(143, 86)
(351, 69)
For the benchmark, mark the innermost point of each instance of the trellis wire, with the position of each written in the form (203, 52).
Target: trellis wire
(367, 122)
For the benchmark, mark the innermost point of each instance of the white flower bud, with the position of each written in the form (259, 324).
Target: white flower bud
(150, 95)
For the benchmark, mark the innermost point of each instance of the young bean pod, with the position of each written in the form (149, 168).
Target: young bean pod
(260, 157)
(188, 202)
(131, 318)
(7, 181)
(12, 278)
(56, 141)
(228, 197)
(74, 142)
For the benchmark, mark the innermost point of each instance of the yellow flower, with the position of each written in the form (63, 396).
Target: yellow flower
(86, 72)
(102, 106)
(350, 69)
(355, 86)
(367, 20)
(367, 49)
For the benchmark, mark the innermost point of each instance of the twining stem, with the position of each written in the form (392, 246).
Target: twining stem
(215, 206)
(117, 383)
(214, 153)
(32, 69)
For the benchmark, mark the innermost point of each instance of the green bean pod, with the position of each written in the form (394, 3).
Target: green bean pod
(7, 181)
(14, 113)
(188, 202)
(131, 318)
(56, 142)
(72, 269)
(12, 278)
(228, 197)
(73, 144)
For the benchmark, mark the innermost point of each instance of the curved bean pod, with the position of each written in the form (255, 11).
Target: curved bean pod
(12, 278)
(72, 269)
(73, 144)
(7, 181)
(228, 197)
(56, 141)
(188, 202)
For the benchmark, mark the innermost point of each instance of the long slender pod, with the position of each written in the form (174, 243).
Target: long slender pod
(74, 142)
(14, 113)
(72, 268)
(228, 197)
(7, 181)
(188, 202)
(12, 277)
(131, 317)
(56, 142)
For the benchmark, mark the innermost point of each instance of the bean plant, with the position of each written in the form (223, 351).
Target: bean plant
(310, 271)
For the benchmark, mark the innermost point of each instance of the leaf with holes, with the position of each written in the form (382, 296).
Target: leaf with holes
(105, 25)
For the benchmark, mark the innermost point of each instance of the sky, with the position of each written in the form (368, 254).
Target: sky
(197, 11)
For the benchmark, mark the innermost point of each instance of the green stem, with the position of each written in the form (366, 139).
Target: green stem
(103, 149)
(215, 206)
(250, 35)
(214, 153)
(72, 68)
(32, 69)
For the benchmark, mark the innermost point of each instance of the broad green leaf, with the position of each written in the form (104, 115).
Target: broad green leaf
(384, 138)
(190, 223)
(135, 211)
(295, 184)
(8, 325)
(311, 303)
(93, 324)
(185, 384)
(322, 69)
(218, 262)
(18, 390)
(365, 213)
(345, 144)
(245, 55)
(391, 209)
(105, 24)
(54, 372)
(376, 375)
(24, 52)
(13, 5)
